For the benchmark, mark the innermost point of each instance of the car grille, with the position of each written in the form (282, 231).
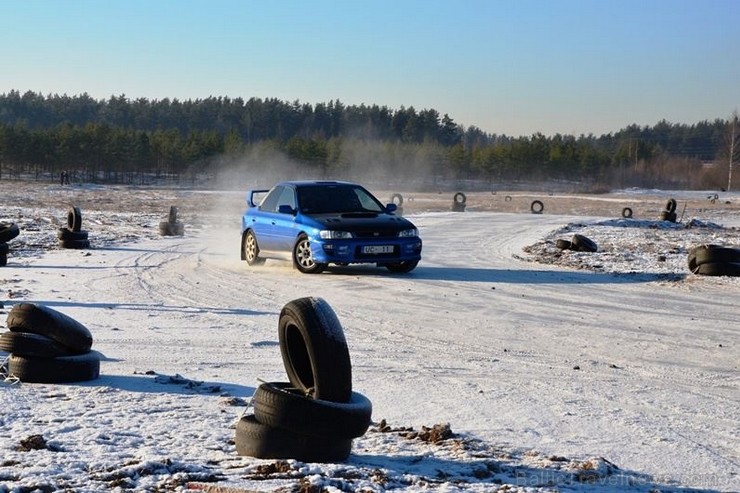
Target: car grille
(376, 233)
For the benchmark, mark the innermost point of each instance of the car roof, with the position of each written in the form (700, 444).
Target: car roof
(300, 183)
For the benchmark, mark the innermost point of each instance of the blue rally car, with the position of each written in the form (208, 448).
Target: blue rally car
(317, 223)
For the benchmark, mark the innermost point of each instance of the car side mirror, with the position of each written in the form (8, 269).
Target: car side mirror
(391, 207)
(286, 209)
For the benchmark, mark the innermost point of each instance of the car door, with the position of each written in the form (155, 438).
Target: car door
(284, 222)
(263, 222)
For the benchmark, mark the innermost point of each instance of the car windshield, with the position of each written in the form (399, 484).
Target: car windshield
(336, 199)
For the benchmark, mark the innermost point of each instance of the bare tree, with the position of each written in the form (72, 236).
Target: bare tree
(733, 145)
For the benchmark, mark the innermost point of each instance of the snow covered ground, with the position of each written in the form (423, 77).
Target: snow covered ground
(555, 370)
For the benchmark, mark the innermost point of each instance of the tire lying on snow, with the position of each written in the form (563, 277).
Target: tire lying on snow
(716, 254)
(719, 269)
(280, 405)
(314, 350)
(564, 244)
(75, 244)
(40, 319)
(32, 345)
(537, 207)
(8, 231)
(62, 369)
(626, 213)
(255, 439)
(66, 234)
(583, 244)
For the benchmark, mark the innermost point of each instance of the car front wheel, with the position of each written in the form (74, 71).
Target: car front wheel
(303, 259)
(402, 267)
(251, 250)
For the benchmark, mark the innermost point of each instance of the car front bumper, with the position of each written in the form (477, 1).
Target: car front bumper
(389, 250)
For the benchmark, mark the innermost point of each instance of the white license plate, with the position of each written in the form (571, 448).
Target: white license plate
(377, 249)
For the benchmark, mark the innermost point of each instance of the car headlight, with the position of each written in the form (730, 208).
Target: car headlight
(334, 235)
(408, 233)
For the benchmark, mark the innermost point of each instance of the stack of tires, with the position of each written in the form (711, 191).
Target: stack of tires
(8, 231)
(578, 243)
(669, 214)
(459, 202)
(172, 227)
(315, 415)
(73, 236)
(714, 260)
(47, 346)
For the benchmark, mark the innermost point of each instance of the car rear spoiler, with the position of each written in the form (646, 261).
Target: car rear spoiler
(253, 201)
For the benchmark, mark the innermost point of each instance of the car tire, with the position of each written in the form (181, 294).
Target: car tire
(626, 213)
(8, 231)
(314, 350)
(402, 267)
(668, 216)
(250, 249)
(460, 198)
(172, 216)
(303, 258)
(397, 199)
(719, 269)
(62, 369)
(74, 219)
(537, 207)
(254, 439)
(67, 234)
(32, 345)
(75, 244)
(280, 405)
(670, 206)
(40, 319)
(564, 244)
(716, 254)
(583, 244)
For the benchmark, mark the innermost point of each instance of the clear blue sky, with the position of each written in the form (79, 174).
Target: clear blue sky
(511, 67)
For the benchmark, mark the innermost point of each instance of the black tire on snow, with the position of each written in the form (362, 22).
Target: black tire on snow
(75, 244)
(8, 231)
(716, 254)
(32, 345)
(314, 349)
(507, 198)
(719, 269)
(255, 439)
(172, 216)
(668, 216)
(583, 244)
(564, 244)
(40, 319)
(178, 229)
(74, 219)
(460, 198)
(397, 199)
(537, 207)
(280, 405)
(670, 206)
(692, 255)
(63, 369)
(67, 234)
(627, 212)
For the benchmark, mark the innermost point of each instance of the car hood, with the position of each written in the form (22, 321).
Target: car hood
(356, 221)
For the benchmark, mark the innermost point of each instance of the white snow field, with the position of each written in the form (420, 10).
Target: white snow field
(555, 371)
